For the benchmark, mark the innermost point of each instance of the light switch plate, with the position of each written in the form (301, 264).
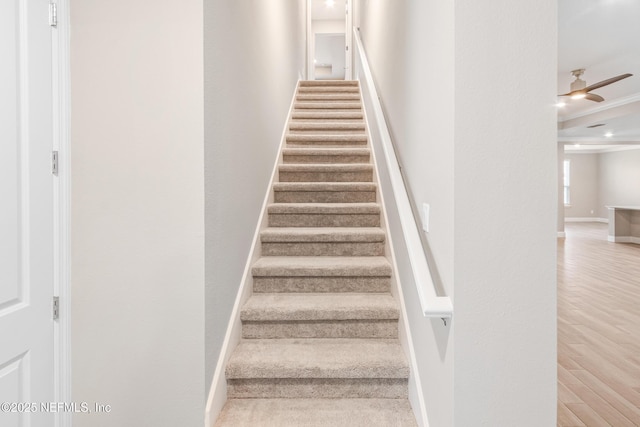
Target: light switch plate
(425, 217)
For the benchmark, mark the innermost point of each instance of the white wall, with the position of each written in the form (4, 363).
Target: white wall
(254, 51)
(137, 309)
(324, 26)
(619, 179)
(584, 192)
(505, 213)
(450, 78)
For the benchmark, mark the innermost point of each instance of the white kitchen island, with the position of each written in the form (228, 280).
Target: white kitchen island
(624, 224)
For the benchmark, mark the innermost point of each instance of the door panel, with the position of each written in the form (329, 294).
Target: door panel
(26, 210)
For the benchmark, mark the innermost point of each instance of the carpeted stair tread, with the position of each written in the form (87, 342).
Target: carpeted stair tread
(319, 105)
(303, 167)
(314, 89)
(326, 151)
(318, 358)
(316, 413)
(324, 306)
(324, 172)
(322, 234)
(310, 167)
(327, 115)
(324, 208)
(324, 186)
(342, 266)
(332, 155)
(297, 137)
(306, 83)
(328, 97)
(326, 125)
(324, 192)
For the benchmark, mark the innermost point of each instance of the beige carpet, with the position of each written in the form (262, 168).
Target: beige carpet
(320, 332)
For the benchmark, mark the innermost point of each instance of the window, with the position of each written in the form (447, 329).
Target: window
(567, 182)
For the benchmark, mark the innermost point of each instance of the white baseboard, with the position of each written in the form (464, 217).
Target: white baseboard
(561, 234)
(624, 239)
(586, 219)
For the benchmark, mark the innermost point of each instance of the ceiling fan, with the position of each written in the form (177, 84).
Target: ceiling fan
(579, 88)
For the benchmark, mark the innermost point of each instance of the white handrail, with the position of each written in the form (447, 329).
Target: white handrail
(432, 305)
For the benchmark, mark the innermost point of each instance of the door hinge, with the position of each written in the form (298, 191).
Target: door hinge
(56, 308)
(54, 162)
(53, 14)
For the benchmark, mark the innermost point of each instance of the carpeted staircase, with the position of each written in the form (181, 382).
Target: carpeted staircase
(320, 332)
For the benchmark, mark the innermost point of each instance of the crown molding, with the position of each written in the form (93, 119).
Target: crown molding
(598, 108)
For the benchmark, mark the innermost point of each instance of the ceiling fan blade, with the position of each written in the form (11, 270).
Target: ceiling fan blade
(607, 82)
(594, 97)
(566, 94)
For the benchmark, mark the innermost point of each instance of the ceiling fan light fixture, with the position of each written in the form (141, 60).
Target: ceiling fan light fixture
(608, 134)
(579, 95)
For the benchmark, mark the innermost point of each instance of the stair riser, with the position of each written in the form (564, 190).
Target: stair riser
(313, 97)
(327, 105)
(327, 132)
(323, 249)
(321, 329)
(332, 139)
(346, 116)
(385, 388)
(328, 143)
(324, 220)
(324, 196)
(337, 125)
(321, 284)
(300, 158)
(329, 89)
(331, 176)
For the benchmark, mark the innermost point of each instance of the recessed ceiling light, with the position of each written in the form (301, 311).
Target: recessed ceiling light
(561, 104)
(608, 134)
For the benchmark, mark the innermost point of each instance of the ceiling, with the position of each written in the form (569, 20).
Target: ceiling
(603, 37)
(322, 10)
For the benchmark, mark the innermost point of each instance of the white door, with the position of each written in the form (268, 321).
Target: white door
(26, 214)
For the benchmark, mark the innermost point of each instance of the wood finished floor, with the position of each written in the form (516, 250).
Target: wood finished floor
(598, 329)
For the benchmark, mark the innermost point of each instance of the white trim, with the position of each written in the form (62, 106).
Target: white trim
(310, 43)
(62, 208)
(598, 140)
(218, 391)
(586, 149)
(586, 219)
(608, 105)
(561, 234)
(624, 239)
(348, 34)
